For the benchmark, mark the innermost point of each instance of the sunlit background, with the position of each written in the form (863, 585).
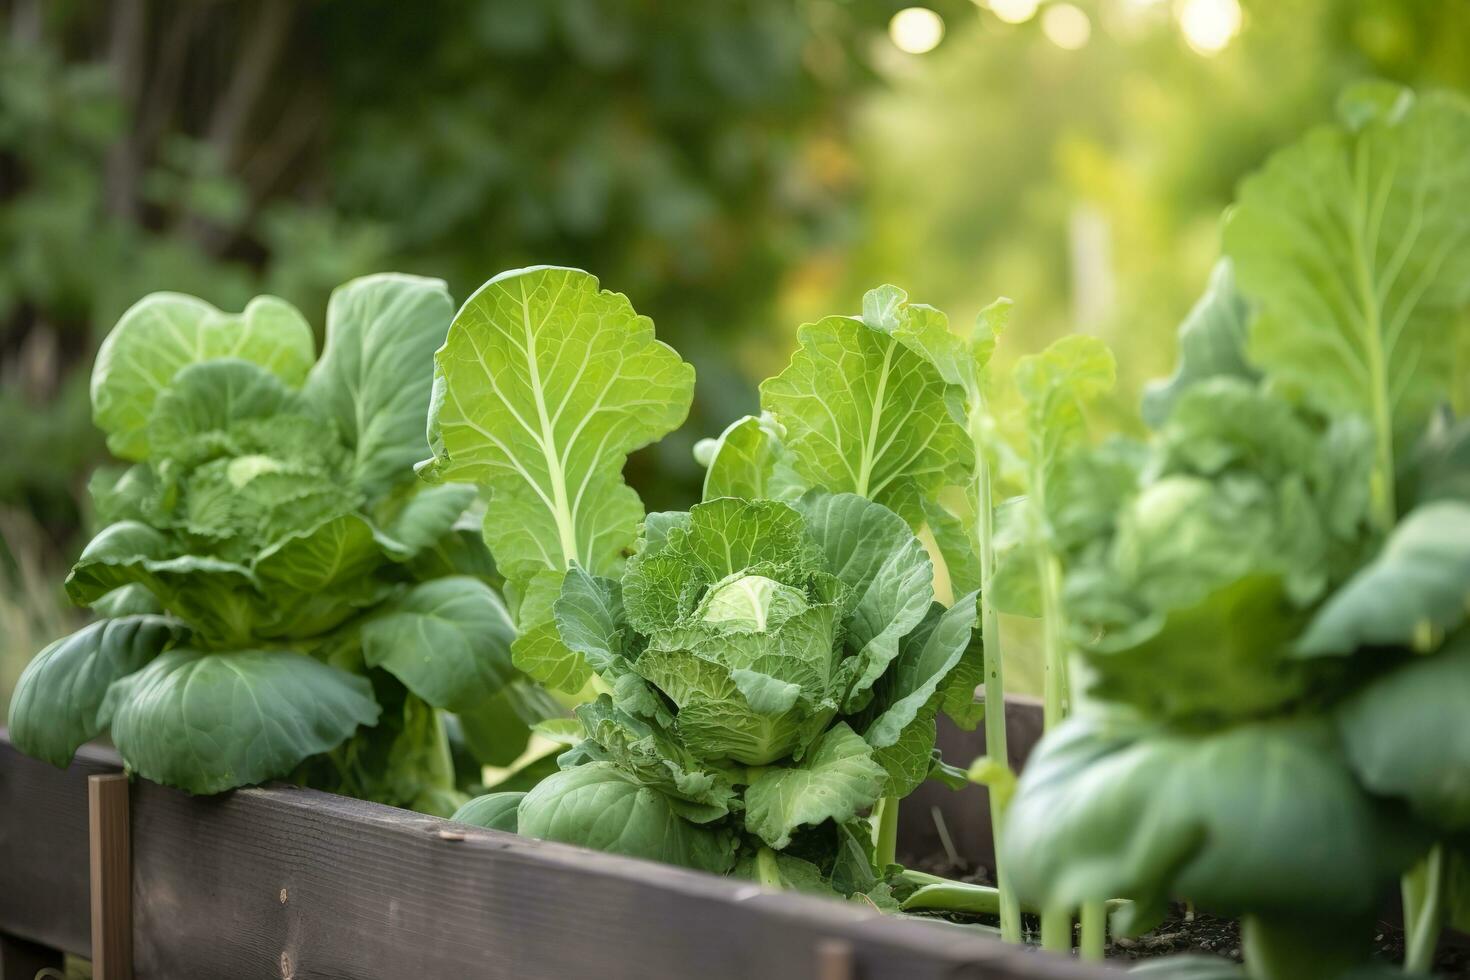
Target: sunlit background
(735, 168)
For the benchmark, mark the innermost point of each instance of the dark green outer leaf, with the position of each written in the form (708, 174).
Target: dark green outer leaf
(207, 722)
(1259, 818)
(493, 811)
(1407, 735)
(58, 698)
(448, 640)
(597, 805)
(1413, 593)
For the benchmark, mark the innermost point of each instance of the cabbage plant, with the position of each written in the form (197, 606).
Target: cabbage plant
(1269, 608)
(761, 670)
(273, 588)
(769, 672)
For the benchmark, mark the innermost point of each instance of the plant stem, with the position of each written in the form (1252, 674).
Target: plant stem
(886, 839)
(1054, 641)
(1296, 949)
(995, 691)
(1423, 891)
(1056, 930)
(766, 871)
(1056, 924)
(1094, 931)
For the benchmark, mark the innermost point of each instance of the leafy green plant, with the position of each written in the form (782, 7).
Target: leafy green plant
(767, 665)
(270, 577)
(1271, 605)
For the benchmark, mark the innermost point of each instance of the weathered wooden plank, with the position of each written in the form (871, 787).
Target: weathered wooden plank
(291, 883)
(112, 883)
(965, 812)
(294, 883)
(45, 883)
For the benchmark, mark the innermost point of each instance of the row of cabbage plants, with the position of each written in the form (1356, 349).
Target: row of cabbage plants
(1253, 644)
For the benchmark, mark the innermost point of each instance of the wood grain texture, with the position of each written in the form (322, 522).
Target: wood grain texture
(292, 884)
(45, 882)
(111, 875)
(965, 812)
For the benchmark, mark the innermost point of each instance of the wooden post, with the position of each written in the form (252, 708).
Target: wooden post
(834, 960)
(112, 884)
(24, 960)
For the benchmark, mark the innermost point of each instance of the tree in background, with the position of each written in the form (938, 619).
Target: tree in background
(678, 151)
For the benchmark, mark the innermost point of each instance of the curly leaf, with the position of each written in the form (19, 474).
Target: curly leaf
(889, 576)
(835, 780)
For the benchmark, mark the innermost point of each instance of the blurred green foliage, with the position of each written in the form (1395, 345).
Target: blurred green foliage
(735, 167)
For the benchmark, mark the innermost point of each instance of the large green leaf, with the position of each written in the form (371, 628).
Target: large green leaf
(1260, 818)
(590, 620)
(493, 811)
(889, 576)
(334, 553)
(1407, 735)
(1412, 594)
(207, 722)
(1356, 247)
(374, 375)
(216, 598)
(59, 695)
(834, 781)
(208, 398)
(925, 659)
(542, 388)
(866, 414)
(164, 332)
(1212, 342)
(1056, 386)
(600, 806)
(748, 460)
(1228, 655)
(425, 518)
(447, 640)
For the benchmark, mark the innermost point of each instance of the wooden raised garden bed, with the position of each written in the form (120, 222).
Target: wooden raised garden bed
(292, 883)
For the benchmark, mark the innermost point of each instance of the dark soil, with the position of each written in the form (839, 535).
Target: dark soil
(1198, 932)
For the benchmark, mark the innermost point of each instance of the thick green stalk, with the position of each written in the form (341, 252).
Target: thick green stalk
(1295, 949)
(886, 839)
(1423, 891)
(1056, 930)
(766, 871)
(1054, 640)
(1055, 923)
(1094, 931)
(995, 692)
